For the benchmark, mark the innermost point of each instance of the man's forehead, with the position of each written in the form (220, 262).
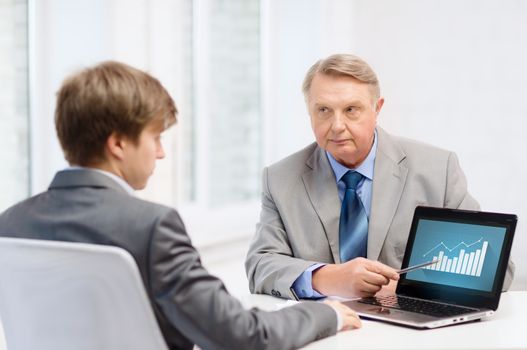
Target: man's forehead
(349, 95)
(335, 78)
(320, 100)
(326, 88)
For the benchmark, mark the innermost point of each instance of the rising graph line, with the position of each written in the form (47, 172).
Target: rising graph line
(451, 249)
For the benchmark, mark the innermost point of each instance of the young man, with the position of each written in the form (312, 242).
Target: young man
(109, 121)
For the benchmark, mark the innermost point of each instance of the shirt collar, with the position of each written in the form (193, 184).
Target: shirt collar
(114, 177)
(365, 168)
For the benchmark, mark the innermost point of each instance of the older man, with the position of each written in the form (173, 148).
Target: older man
(336, 215)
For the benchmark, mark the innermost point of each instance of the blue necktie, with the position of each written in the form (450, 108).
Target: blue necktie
(353, 228)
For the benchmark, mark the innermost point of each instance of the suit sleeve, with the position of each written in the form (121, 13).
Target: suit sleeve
(199, 306)
(457, 196)
(270, 265)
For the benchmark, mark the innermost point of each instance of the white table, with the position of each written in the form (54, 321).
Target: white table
(507, 329)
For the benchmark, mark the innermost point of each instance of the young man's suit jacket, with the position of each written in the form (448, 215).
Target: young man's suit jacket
(191, 306)
(299, 219)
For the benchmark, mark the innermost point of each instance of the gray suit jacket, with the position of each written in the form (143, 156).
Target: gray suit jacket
(299, 220)
(191, 306)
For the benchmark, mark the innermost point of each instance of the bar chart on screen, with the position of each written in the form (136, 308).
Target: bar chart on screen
(468, 261)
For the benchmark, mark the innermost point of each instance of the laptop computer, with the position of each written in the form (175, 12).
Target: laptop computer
(468, 252)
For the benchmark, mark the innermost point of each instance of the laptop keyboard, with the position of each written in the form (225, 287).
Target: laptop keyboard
(416, 305)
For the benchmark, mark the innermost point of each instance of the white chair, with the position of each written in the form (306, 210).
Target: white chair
(60, 295)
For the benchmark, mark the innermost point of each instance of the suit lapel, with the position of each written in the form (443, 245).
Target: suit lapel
(389, 178)
(321, 188)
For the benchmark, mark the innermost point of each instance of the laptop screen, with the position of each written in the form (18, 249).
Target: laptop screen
(467, 254)
(471, 249)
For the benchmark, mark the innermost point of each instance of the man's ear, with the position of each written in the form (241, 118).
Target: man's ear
(379, 104)
(115, 145)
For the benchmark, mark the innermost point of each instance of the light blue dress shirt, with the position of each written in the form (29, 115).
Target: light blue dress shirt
(303, 284)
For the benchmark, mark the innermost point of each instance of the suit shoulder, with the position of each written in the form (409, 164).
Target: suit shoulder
(415, 149)
(136, 201)
(295, 162)
(14, 210)
(147, 207)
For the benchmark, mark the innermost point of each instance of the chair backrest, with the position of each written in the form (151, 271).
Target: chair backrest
(61, 295)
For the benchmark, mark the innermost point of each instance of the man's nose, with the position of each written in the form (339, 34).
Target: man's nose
(338, 122)
(160, 152)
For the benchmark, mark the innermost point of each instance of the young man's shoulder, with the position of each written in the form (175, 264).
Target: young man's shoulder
(133, 208)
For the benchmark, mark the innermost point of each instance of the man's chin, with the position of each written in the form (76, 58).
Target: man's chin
(139, 186)
(347, 159)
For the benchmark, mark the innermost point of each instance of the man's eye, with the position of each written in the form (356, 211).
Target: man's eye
(323, 109)
(352, 109)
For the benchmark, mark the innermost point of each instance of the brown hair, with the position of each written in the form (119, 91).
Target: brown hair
(109, 97)
(347, 65)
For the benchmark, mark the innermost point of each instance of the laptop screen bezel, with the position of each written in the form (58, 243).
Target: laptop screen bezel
(458, 295)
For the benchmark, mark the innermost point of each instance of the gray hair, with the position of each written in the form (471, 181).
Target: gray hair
(346, 65)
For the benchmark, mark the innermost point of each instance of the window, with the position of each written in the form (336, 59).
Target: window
(207, 54)
(14, 153)
(230, 92)
(222, 142)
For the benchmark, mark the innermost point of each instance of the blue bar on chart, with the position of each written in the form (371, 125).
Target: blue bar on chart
(464, 264)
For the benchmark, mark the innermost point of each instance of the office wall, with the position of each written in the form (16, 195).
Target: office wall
(466, 82)
(453, 74)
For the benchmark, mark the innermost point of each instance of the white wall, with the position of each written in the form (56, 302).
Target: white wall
(453, 74)
(296, 34)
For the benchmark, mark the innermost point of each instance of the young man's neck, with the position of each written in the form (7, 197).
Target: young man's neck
(108, 170)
